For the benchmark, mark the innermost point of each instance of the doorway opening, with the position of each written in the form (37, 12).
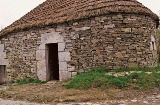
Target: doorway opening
(2, 74)
(53, 62)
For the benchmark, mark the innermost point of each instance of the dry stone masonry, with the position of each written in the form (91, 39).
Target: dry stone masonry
(58, 39)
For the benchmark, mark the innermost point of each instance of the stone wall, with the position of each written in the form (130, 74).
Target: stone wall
(20, 49)
(115, 40)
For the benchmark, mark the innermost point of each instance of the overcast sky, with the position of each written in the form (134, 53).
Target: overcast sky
(11, 10)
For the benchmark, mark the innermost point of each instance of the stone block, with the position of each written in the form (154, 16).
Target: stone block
(41, 75)
(127, 30)
(53, 37)
(41, 70)
(76, 36)
(28, 36)
(119, 16)
(63, 66)
(42, 47)
(71, 68)
(64, 56)
(132, 59)
(116, 35)
(1, 48)
(4, 61)
(110, 26)
(82, 28)
(153, 38)
(94, 41)
(138, 30)
(75, 23)
(64, 75)
(127, 21)
(73, 74)
(139, 53)
(61, 46)
(1, 61)
(40, 55)
(119, 55)
(2, 55)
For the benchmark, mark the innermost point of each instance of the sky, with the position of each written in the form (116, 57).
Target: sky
(12, 10)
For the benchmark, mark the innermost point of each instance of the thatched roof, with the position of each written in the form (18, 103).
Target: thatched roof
(57, 11)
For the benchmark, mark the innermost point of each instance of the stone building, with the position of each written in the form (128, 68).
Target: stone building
(59, 38)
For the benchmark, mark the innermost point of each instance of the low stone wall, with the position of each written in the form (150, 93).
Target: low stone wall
(115, 40)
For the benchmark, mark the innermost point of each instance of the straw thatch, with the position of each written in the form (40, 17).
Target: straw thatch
(56, 11)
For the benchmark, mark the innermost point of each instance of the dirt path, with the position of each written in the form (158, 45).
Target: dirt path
(49, 93)
(10, 102)
(149, 100)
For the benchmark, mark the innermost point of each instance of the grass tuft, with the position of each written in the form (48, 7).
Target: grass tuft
(29, 80)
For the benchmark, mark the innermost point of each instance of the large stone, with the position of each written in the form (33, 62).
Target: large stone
(53, 37)
(63, 66)
(1, 48)
(64, 56)
(42, 47)
(4, 62)
(41, 70)
(40, 55)
(61, 46)
(2, 55)
(64, 75)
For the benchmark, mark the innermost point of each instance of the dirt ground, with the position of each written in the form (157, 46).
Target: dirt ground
(54, 92)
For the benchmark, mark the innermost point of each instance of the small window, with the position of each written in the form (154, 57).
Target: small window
(152, 43)
(153, 47)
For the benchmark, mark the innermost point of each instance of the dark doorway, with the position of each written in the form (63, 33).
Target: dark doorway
(2, 74)
(53, 65)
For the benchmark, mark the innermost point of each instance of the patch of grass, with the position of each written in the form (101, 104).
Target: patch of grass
(97, 77)
(29, 80)
(93, 78)
(143, 80)
(120, 82)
